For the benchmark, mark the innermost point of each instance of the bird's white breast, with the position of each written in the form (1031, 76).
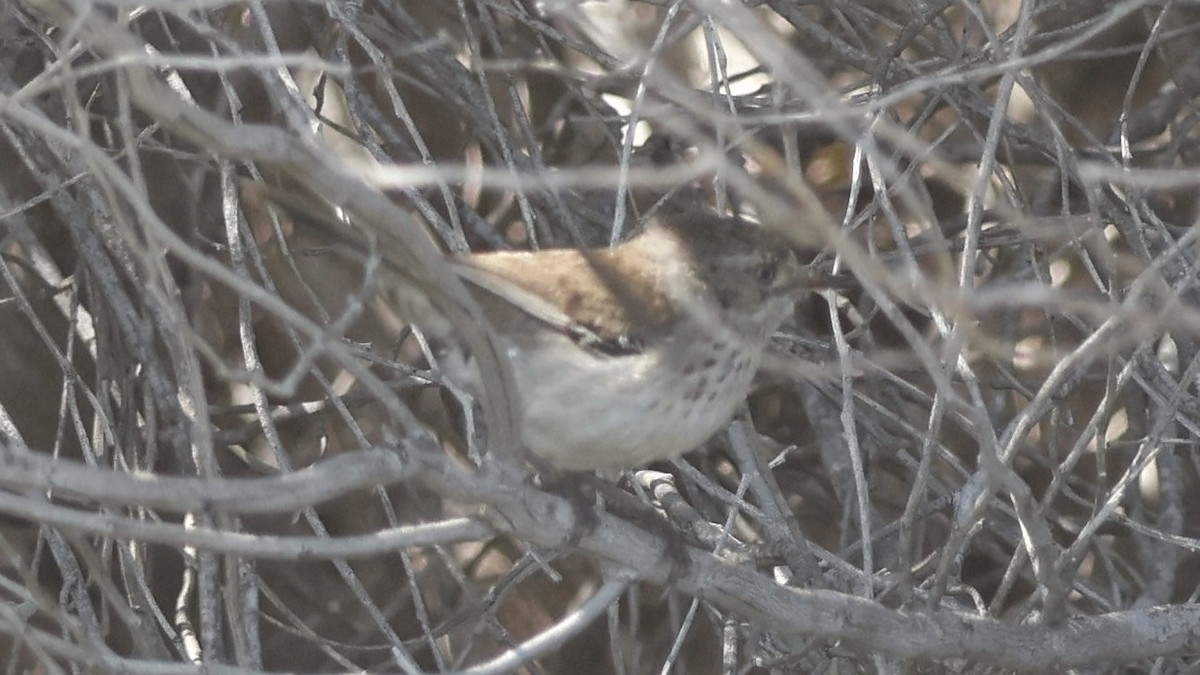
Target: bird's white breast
(590, 412)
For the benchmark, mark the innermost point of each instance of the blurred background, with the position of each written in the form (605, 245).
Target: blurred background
(223, 447)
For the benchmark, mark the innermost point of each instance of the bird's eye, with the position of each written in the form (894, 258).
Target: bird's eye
(765, 273)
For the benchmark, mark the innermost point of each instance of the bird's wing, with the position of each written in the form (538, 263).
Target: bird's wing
(570, 298)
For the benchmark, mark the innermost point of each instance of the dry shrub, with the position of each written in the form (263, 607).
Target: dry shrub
(223, 450)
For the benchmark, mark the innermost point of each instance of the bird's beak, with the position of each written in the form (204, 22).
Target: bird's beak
(821, 281)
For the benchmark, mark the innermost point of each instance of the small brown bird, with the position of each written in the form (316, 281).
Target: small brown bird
(639, 352)
(630, 354)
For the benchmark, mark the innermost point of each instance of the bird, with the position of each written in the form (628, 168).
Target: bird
(639, 352)
(628, 354)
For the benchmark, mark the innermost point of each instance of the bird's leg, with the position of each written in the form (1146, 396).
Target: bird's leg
(675, 542)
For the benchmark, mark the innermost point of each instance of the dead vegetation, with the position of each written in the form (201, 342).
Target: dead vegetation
(222, 451)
